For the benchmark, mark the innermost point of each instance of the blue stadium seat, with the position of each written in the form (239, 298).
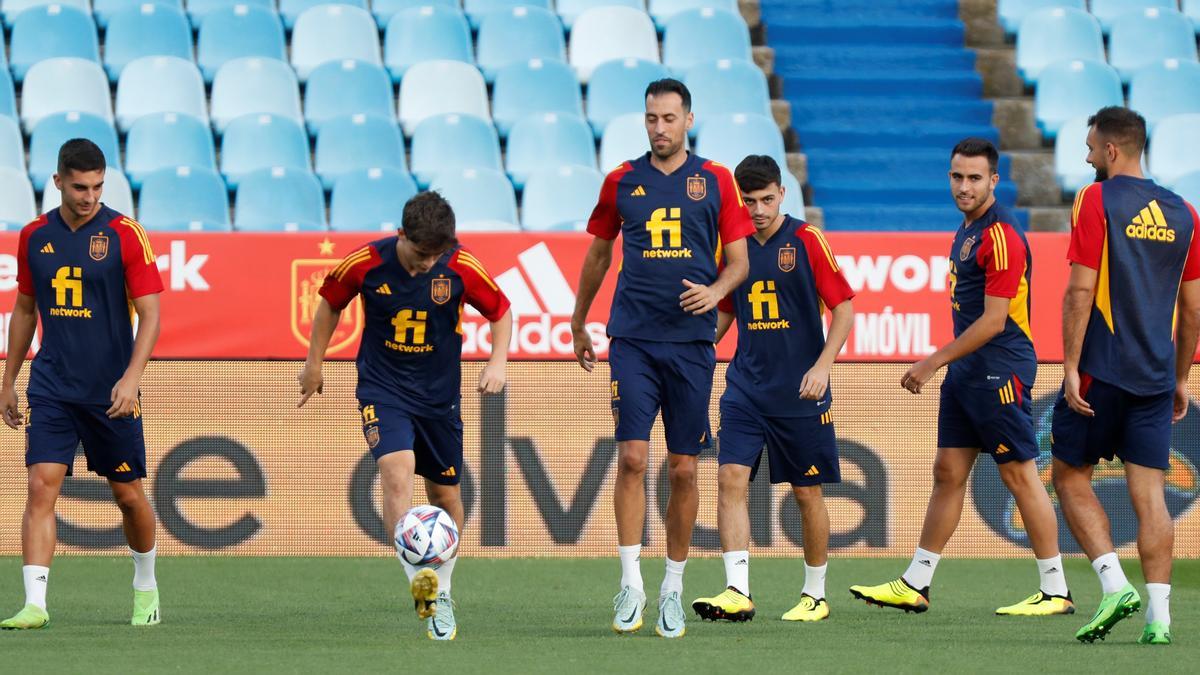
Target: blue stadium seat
(105, 10)
(426, 34)
(1070, 156)
(279, 200)
(1069, 89)
(63, 84)
(10, 9)
(662, 11)
(555, 197)
(253, 142)
(290, 10)
(347, 87)
(117, 194)
(333, 33)
(569, 10)
(516, 36)
(478, 195)
(1107, 11)
(726, 87)
(145, 30)
(51, 31)
(605, 33)
(618, 87)
(185, 198)
(1191, 9)
(548, 141)
(1175, 148)
(384, 10)
(198, 10)
(451, 142)
(728, 139)
(238, 31)
(254, 85)
(476, 10)
(17, 207)
(1188, 187)
(8, 94)
(624, 138)
(1012, 12)
(1057, 34)
(436, 87)
(1142, 38)
(12, 144)
(700, 35)
(793, 196)
(157, 84)
(54, 130)
(167, 140)
(534, 87)
(1164, 89)
(370, 200)
(358, 142)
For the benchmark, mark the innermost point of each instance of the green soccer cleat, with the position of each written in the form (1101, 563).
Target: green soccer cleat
(424, 587)
(628, 607)
(1113, 608)
(30, 616)
(145, 608)
(1156, 633)
(670, 616)
(897, 593)
(442, 625)
(728, 605)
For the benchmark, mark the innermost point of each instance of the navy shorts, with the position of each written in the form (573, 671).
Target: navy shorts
(114, 448)
(1135, 428)
(674, 376)
(998, 421)
(436, 443)
(800, 450)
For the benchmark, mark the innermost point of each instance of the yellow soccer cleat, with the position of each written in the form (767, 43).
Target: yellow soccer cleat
(728, 605)
(809, 609)
(30, 616)
(424, 587)
(896, 594)
(1040, 604)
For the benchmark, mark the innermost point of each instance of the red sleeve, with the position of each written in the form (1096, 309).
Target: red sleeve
(734, 220)
(832, 286)
(1191, 269)
(725, 304)
(24, 276)
(479, 289)
(141, 269)
(1001, 254)
(606, 218)
(1088, 227)
(345, 281)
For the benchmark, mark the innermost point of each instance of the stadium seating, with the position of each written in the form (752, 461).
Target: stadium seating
(618, 87)
(17, 207)
(569, 10)
(117, 194)
(1175, 148)
(198, 10)
(699, 35)
(51, 31)
(556, 198)
(370, 200)
(12, 145)
(1188, 187)
(516, 36)
(533, 87)
(62, 84)
(184, 198)
(662, 11)
(793, 195)
(10, 9)
(1164, 89)
(333, 33)
(1070, 156)
(145, 30)
(254, 85)
(430, 33)
(384, 10)
(1149, 36)
(54, 130)
(477, 10)
(1069, 89)
(347, 87)
(1107, 11)
(1056, 34)
(261, 141)
(105, 10)
(165, 140)
(436, 87)
(624, 138)
(356, 142)
(547, 141)
(728, 139)
(279, 200)
(604, 33)
(1012, 12)
(451, 142)
(238, 31)
(726, 87)
(478, 195)
(154, 84)
(290, 10)
(8, 95)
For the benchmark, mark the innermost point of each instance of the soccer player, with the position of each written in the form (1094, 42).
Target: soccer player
(80, 267)
(779, 311)
(413, 286)
(1133, 252)
(985, 401)
(679, 215)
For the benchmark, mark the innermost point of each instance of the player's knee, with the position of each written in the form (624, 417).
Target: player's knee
(808, 496)
(1066, 480)
(128, 499)
(1016, 477)
(945, 475)
(631, 464)
(42, 493)
(682, 473)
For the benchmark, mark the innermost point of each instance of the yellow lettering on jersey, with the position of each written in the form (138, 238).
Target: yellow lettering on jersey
(1150, 225)
(953, 276)
(665, 221)
(68, 280)
(764, 301)
(368, 414)
(410, 320)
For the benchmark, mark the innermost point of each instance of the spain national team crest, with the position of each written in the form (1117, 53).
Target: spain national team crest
(787, 258)
(372, 436)
(697, 188)
(98, 249)
(307, 277)
(440, 291)
(965, 251)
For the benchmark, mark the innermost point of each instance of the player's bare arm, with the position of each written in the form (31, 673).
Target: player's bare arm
(724, 321)
(816, 380)
(986, 327)
(700, 299)
(20, 337)
(125, 393)
(1077, 309)
(492, 378)
(595, 266)
(1186, 334)
(324, 323)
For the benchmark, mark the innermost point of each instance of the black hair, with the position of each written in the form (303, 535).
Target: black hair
(1122, 127)
(978, 147)
(80, 154)
(428, 222)
(757, 172)
(671, 86)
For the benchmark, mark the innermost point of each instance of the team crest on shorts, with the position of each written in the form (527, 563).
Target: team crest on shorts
(697, 188)
(440, 291)
(787, 258)
(372, 435)
(965, 251)
(98, 249)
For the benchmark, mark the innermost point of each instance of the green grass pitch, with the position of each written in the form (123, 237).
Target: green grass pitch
(225, 614)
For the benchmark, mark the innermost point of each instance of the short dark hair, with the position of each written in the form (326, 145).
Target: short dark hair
(669, 85)
(757, 172)
(428, 221)
(1121, 127)
(80, 154)
(978, 147)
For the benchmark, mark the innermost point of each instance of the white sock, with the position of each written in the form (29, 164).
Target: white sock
(1159, 607)
(143, 570)
(36, 580)
(409, 570)
(631, 567)
(673, 581)
(737, 570)
(920, 571)
(444, 573)
(814, 580)
(1112, 577)
(1051, 576)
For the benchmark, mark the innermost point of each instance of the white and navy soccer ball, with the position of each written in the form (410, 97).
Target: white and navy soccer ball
(426, 537)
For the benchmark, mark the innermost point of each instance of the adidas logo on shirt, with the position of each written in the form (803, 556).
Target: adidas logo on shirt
(383, 290)
(639, 191)
(1150, 225)
(48, 248)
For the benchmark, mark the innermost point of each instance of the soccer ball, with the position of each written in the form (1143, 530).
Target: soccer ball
(426, 537)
